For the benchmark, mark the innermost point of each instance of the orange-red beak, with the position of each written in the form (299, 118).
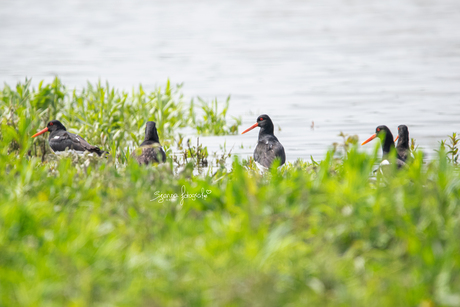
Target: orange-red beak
(370, 139)
(397, 138)
(41, 132)
(250, 128)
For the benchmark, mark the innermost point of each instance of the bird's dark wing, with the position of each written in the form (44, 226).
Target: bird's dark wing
(152, 153)
(278, 149)
(61, 141)
(403, 154)
(65, 140)
(267, 150)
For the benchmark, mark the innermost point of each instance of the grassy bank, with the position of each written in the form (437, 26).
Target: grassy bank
(111, 119)
(83, 231)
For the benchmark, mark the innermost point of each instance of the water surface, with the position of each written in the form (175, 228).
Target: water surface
(346, 65)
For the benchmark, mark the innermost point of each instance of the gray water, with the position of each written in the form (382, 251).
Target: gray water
(346, 65)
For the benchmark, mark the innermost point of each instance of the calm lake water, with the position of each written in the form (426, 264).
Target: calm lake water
(346, 65)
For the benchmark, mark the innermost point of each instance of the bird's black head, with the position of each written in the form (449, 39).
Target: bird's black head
(383, 133)
(264, 121)
(52, 126)
(403, 130)
(265, 124)
(403, 136)
(55, 125)
(151, 133)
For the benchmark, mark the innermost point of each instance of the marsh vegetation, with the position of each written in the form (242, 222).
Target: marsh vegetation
(81, 230)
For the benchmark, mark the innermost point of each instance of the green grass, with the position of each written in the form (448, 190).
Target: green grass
(104, 116)
(213, 121)
(82, 231)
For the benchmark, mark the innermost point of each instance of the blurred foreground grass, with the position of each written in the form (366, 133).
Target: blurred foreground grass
(84, 231)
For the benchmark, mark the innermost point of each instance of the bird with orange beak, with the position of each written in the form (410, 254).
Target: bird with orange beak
(386, 137)
(60, 139)
(268, 147)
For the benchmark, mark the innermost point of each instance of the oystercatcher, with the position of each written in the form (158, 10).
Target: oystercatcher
(60, 139)
(388, 144)
(268, 147)
(403, 143)
(150, 150)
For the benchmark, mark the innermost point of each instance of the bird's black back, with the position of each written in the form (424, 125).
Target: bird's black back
(60, 140)
(150, 150)
(403, 148)
(268, 149)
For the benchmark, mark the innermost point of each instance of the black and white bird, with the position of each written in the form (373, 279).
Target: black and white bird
(150, 151)
(60, 140)
(385, 135)
(268, 147)
(403, 148)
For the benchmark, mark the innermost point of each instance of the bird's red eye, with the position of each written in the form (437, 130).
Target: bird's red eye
(51, 124)
(261, 118)
(378, 129)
